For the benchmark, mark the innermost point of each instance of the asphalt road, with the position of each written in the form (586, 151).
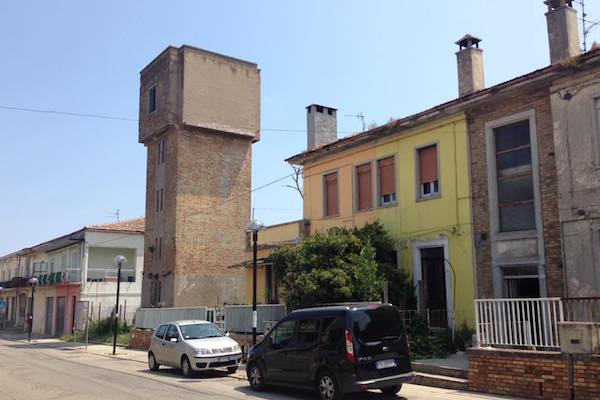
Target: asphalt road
(43, 372)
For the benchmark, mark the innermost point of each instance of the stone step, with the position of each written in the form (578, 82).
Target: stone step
(441, 381)
(438, 370)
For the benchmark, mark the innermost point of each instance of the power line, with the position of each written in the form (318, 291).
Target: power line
(118, 118)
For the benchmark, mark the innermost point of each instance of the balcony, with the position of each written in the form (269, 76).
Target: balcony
(69, 275)
(110, 275)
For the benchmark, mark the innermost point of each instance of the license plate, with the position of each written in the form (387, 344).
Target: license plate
(383, 364)
(222, 359)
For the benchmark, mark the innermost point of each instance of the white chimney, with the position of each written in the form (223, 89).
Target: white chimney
(321, 124)
(470, 65)
(563, 32)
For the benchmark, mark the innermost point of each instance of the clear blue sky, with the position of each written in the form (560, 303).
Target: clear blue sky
(382, 58)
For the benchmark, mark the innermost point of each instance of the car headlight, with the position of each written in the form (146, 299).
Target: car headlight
(203, 352)
(236, 347)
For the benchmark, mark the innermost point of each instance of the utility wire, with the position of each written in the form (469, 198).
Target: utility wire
(117, 118)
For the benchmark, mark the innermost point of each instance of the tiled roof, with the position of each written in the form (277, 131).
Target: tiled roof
(128, 225)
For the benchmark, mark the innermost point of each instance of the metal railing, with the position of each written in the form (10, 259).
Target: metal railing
(151, 318)
(518, 323)
(238, 318)
(584, 309)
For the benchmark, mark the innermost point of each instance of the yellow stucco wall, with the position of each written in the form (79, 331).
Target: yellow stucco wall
(410, 222)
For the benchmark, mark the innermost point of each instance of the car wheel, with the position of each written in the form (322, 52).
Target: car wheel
(392, 390)
(232, 370)
(152, 364)
(327, 387)
(186, 367)
(256, 378)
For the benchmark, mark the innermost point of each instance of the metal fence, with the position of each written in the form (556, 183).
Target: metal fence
(150, 318)
(585, 309)
(518, 322)
(239, 318)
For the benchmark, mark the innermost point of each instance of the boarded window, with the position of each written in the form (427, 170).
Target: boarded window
(516, 207)
(331, 194)
(428, 171)
(387, 180)
(364, 187)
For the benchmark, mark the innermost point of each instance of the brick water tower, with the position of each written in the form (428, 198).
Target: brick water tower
(199, 115)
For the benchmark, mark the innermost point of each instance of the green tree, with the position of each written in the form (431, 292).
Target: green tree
(341, 265)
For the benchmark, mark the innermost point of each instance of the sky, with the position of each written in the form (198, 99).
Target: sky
(384, 59)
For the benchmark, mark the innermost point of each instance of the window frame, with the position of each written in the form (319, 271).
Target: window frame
(324, 186)
(492, 177)
(419, 188)
(596, 128)
(379, 203)
(356, 190)
(154, 87)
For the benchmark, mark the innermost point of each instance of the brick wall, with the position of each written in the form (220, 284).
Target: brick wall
(140, 339)
(532, 374)
(539, 100)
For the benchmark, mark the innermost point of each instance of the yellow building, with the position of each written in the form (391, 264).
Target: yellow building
(413, 176)
(273, 236)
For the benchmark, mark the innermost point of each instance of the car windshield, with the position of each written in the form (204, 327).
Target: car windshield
(200, 331)
(377, 324)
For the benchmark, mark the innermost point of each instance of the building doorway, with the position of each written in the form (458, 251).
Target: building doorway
(49, 315)
(60, 316)
(433, 281)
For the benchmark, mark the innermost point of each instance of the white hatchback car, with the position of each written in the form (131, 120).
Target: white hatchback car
(193, 346)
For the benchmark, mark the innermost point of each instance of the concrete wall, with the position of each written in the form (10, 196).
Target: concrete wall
(577, 140)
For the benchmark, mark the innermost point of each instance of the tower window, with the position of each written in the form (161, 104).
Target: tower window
(161, 152)
(329, 111)
(152, 99)
(319, 109)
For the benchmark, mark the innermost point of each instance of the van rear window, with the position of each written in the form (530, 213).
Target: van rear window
(377, 324)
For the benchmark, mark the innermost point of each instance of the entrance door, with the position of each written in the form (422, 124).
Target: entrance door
(60, 316)
(433, 273)
(49, 314)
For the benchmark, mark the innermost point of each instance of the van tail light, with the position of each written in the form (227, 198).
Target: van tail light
(350, 347)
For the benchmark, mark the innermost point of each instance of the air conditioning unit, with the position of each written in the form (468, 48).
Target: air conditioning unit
(579, 337)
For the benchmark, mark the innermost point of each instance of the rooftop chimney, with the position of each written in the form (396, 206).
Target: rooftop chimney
(563, 33)
(321, 125)
(470, 65)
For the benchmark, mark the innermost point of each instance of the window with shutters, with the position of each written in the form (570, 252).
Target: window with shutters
(386, 172)
(330, 183)
(514, 177)
(364, 187)
(429, 185)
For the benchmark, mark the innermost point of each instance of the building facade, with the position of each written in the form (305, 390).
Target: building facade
(199, 115)
(412, 176)
(72, 268)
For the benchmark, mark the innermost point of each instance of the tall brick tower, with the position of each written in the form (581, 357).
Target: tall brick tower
(199, 115)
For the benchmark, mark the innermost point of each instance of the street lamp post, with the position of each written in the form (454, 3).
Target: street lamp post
(254, 226)
(33, 281)
(119, 262)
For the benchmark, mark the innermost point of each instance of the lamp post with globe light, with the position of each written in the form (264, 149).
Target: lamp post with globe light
(33, 282)
(254, 226)
(119, 262)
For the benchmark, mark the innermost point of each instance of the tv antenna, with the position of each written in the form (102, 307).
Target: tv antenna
(362, 119)
(586, 24)
(116, 214)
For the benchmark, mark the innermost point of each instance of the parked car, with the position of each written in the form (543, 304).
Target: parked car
(336, 350)
(193, 346)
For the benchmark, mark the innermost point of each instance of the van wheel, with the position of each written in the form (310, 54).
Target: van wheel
(186, 367)
(152, 364)
(327, 387)
(392, 390)
(256, 378)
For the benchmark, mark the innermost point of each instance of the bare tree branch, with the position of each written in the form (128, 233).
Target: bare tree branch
(296, 177)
